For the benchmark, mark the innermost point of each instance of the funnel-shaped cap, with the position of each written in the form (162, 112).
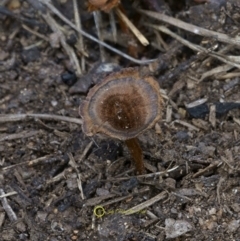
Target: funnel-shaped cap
(122, 106)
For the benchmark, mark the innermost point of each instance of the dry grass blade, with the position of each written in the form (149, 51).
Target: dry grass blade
(64, 19)
(217, 70)
(113, 26)
(98, 23)
(134, 30)
(96, 200)
(20, 117)
(8, 209)
(146, 204)
(213, 165)
(28, 163)
(80, 44)
(221, 57)
(153, 175)
(115, 200)
(87, 148)
(35, 33)
(212, 115)
(192, 28)
(184, 123)
(231, 76)
(8, 194)
(60, 176)
(23, 134)
(69, 50)
(73, 164)
(219, 185)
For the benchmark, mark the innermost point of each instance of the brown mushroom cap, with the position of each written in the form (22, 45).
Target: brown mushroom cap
(122, 106)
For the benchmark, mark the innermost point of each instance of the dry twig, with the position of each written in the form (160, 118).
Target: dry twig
(73, 164)
(208, 168)
(60, 176)
(8, 194)
(35, 33)
(69, 50)
(87, 148)
(113, 26)
(28, 163)
(151, 175)
(98, 23)
(8, 209)
(80, 44)
(147, 203)
(230, 60)
(222, 179)
(55, 11)
(134, 30)
(20, 117)
(23, 134)
(192, 28)
(183, 123)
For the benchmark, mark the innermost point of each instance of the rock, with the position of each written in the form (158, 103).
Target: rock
(176, 228)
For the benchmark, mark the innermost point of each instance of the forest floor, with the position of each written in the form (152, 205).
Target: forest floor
(58, 184)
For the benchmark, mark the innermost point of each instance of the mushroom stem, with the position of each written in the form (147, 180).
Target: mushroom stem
(136, 152)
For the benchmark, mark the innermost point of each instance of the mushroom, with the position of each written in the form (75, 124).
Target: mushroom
(123, 105)
(104, 5)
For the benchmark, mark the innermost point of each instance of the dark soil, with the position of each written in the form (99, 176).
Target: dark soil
(58, 184)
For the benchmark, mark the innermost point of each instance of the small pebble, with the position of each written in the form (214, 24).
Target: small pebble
(102, 192)
(233, 225)
(54, 103)
(175, 228)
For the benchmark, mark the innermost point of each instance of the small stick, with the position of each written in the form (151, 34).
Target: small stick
(189, 126)
(87, 148)
(208, 168)
(2, 218)
(69, 50)
(37, 44)
(98, 24)
(192, 28)
(35, 33)
(212, 115)
(19, 117)
(151, 175)
(8, 209)
(80, 44)
(73, 164)
(28, 163)
(96, 200)
(115, 200)
(221, 180)
(134, 30)
(64, 19)
(8, 194)
(113, 26)
(23, 134)
(181, 196)
(60, 176)
(225, 59)
(146, 204)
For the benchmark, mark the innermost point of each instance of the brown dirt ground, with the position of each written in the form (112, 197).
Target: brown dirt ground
(44, 162)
